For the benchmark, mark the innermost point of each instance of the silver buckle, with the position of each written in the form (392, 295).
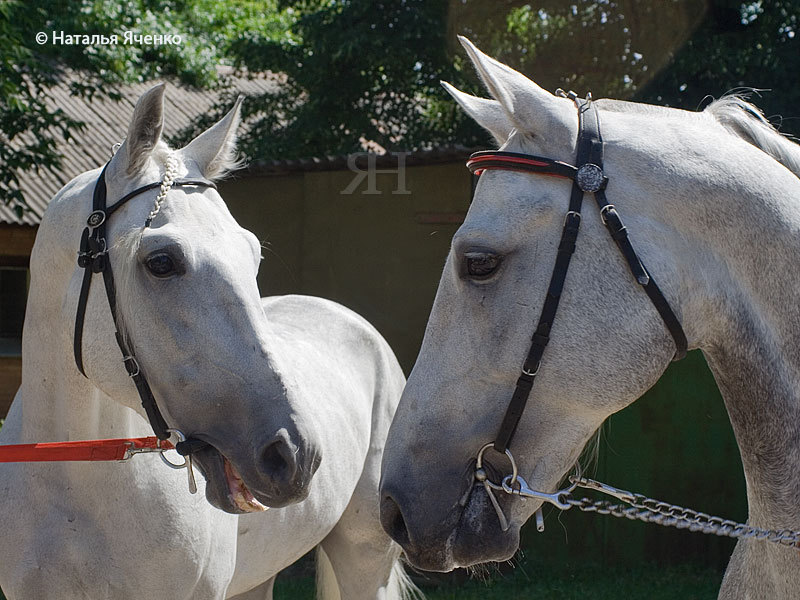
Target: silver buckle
(186, 464)
(604, 210)
(531, 374)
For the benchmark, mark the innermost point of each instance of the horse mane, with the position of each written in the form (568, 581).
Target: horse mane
(737, 116)
(747, 122)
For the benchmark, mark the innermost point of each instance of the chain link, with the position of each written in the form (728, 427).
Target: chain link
(637, 507)
(629, 505)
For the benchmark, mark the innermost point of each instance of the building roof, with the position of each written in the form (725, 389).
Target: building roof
(106, 123)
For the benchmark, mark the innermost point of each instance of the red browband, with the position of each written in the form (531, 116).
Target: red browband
(512, 161)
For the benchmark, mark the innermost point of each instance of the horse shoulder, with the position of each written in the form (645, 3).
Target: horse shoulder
(351, 338)
(330, 322)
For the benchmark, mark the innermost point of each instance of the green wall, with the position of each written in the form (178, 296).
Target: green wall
(675, 444)
(382, 256)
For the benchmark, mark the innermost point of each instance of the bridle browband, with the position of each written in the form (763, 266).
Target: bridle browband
(588, 177)
(93, 258)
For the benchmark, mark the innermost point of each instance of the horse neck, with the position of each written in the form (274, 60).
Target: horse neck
(58, 403)
(749, 329)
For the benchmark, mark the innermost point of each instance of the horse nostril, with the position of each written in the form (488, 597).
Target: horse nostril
(279, 461)
(393, 522)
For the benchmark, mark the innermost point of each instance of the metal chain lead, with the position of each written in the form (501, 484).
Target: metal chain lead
(637, 507)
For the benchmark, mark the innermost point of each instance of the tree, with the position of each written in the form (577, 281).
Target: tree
(30, 124)
(351, 72)
(611, 48)
(738, 45)
(357, 71)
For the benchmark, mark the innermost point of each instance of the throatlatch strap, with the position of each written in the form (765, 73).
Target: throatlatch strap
(93, 257)
(587, 177)
(619, 233)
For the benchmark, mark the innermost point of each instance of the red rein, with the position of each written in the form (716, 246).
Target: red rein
(86, 450)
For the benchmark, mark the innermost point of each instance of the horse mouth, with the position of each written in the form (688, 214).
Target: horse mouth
(238, 492)
(225, 487)
(469, 534)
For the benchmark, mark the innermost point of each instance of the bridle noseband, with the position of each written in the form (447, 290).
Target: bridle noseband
(93, 258)
(588, 177)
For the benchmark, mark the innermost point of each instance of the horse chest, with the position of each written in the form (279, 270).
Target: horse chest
(92, 536)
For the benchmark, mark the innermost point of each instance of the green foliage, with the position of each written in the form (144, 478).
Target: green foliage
(752, 44)
(31, 124)
(28, 125)
(352, 71)
(537, 35)
(348, 72)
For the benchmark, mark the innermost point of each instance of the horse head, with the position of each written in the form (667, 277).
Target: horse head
(607, 345)
(189, 309)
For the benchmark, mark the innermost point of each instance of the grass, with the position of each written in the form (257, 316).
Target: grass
(556, 583)
(560, 582)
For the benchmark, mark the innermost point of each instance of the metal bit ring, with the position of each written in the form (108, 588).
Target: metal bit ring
(480, 473)
(181, 438)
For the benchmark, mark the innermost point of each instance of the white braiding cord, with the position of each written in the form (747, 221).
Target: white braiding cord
(170, 172)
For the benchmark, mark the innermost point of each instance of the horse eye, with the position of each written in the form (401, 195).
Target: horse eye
(160, 265)
(480, 265)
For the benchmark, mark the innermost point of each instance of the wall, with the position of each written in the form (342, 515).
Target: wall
(381, 255)
(16, 243)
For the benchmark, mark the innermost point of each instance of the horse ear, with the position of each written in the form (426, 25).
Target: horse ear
(144, 131)
(214, 150)
(528, 107)
(487, 113)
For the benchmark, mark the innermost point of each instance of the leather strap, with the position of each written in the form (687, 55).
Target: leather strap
(84, 450)
(93, 258)
(619, 233)
(588, 177)
(589, 150)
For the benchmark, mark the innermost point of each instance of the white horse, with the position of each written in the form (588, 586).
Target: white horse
(712, 200)
(293, 394)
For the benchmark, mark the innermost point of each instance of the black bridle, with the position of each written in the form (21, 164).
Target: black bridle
(588, 177)
(93, 258)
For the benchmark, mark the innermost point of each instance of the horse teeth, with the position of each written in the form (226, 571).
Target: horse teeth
(238, 492)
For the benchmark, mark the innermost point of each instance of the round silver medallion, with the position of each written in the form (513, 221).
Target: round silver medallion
(589, 177)
(96, 218)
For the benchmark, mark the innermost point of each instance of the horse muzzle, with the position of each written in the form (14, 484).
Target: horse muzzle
(284, 468)
(279, 475)
(470, 532)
